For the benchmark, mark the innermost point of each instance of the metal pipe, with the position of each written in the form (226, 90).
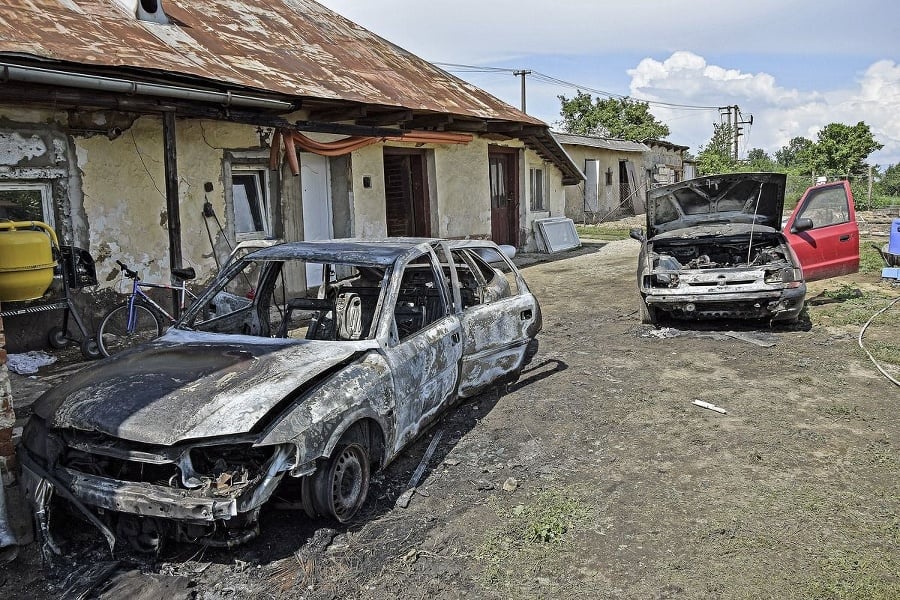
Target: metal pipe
(13, 72)
(9, 547)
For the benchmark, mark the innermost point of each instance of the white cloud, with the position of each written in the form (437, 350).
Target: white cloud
(779, 113)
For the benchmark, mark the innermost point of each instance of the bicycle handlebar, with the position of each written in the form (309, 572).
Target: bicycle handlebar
(128, 272)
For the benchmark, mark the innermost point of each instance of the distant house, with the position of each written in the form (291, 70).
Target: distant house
(122, 119)
(615, 177)
(665, 163)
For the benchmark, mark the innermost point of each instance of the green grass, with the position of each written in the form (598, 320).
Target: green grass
(531, 535)
(870, 261)
(853, 307)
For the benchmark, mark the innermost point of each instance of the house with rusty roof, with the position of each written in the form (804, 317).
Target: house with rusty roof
(162, 132)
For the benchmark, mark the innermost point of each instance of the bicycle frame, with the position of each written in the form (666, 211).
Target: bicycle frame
(137, 291)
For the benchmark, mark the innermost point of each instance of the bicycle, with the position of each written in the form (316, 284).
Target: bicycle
(136, 321)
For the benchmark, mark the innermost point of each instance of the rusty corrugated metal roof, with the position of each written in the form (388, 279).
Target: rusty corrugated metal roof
(294, 47)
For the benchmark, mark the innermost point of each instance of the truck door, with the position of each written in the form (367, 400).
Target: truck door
(823, 233)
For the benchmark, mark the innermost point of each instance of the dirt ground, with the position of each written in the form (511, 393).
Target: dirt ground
(594, 476)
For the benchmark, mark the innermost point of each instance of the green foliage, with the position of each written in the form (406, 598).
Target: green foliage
(888, 183)
(842, 149)
(716, 156)
(758, 161)
(795, 154)
(619, 118)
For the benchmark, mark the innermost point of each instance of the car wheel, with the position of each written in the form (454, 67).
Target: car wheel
(340, 487)
(649, 315)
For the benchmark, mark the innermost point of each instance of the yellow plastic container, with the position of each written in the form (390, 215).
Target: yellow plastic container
(26, 259)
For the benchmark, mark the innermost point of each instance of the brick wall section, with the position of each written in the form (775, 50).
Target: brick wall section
(7, 415)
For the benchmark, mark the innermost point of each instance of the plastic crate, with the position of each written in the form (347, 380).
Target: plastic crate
(77, 266)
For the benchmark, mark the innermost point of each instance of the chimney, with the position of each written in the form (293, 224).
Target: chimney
(151, 10)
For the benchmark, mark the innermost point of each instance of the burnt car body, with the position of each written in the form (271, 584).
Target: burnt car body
(713, 249)
(308, 362)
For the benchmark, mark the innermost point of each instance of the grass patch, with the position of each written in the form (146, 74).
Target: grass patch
(852, 307)
(863, 575)
(604, 233)
(870, 261)
(531, 536)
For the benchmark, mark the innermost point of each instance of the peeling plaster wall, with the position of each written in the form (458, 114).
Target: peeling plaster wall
(124, 194)
(554, 196)
(7, 414)
(368, 204)
(463, 203)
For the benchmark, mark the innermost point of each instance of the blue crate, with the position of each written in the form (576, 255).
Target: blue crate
(890, 273)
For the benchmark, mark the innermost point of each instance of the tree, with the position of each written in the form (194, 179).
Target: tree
(889, 181)
(620, 118)
(716, 156)
(842, 149)
(758, 161)
(795, 154)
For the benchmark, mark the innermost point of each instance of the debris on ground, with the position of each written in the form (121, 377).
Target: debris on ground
(28, 363)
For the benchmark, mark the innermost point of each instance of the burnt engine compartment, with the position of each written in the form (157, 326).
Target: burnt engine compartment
(719, 253)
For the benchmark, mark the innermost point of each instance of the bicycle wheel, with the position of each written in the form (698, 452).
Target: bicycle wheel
(114, 334)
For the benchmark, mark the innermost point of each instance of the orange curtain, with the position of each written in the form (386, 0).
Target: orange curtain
(293, 140)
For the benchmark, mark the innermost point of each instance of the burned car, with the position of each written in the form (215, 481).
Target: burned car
(303, 367)
(714, 248)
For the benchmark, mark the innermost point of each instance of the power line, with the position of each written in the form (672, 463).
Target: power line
(454, 67)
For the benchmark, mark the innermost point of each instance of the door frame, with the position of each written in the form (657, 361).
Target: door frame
(514, 219)
(419, 210)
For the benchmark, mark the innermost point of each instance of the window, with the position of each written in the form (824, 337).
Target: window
(537, 189)
(26, 202)
(826, 206)
(250, 200)
(421, 299)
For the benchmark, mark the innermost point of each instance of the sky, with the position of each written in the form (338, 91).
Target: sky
(794, 65)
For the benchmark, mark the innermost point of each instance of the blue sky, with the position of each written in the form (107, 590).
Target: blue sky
(795, 65)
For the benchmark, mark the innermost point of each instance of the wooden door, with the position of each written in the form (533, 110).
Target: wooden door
(406, 193)
(503, 167)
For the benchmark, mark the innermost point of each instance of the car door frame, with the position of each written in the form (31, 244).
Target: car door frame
(828, 250)
(424, 365)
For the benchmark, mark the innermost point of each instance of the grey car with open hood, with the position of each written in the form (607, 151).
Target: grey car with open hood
(307, 364)
(714, 249)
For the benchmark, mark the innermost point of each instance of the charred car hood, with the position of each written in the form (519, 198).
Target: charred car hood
(749, 198)
(189, 385)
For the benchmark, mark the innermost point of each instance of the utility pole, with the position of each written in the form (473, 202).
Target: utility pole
(522, 73)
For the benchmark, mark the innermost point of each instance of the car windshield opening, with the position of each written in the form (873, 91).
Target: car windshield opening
(292, 299)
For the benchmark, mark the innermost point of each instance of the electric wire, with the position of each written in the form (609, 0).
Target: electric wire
(459, 68)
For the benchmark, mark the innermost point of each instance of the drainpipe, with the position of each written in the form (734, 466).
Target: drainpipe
(13, 72)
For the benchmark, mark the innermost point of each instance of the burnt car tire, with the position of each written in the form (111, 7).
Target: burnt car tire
(339, 488)
(649, 315)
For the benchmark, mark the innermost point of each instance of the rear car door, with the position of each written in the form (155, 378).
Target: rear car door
(499, 316)
(827, 245)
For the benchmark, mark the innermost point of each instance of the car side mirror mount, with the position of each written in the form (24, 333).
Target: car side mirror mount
(802, 224)
(637, 233)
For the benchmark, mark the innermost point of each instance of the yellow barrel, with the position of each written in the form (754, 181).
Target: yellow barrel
(26, 259)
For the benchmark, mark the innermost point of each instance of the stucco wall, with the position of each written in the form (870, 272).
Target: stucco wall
(463, 202)
(609, 195)
(124, 194)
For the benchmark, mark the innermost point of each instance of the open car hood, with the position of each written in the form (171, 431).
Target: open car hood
(190, 385)
(751, 198)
